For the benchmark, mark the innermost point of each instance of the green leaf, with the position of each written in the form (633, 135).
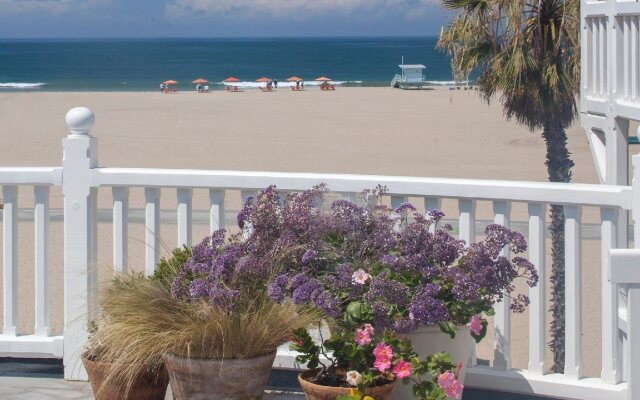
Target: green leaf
(449, 328)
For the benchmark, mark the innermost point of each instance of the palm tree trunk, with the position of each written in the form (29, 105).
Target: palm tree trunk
(559, 166)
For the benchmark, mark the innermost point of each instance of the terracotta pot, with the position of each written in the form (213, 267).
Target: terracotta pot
(320, 392)
(231, 379)
(147, 387)
(430, 340)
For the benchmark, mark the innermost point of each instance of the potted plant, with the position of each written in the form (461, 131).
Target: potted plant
(362, 364)
(371, 264)
(148, 381)
(208, 317)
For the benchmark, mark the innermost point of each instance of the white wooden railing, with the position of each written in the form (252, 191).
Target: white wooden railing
(80, 178)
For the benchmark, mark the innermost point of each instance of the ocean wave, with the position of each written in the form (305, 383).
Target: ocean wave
(284, 84)
(21, 85)
(448, 83)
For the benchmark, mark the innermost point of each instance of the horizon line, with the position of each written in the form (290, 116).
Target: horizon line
(219, 37)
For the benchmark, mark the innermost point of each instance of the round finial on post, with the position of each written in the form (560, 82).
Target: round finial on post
(80, 121)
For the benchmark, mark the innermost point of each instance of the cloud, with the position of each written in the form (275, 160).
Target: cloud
(49, 7)
(285, 9)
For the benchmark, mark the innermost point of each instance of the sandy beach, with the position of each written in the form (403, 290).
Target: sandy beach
(382, 131)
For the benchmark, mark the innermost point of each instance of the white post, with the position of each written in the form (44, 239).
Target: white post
(430, 204)
(573, 293)
(152, 229)
(538, 305)
(502, 319)
(120, 228)
(80, 156)
(41, 247)
(625, 272)
(216, 210)
(184, 216)
(611, 344)
(10, 258)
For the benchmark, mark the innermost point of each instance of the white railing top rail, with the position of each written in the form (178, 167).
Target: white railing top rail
(542, 192)
(31, 176)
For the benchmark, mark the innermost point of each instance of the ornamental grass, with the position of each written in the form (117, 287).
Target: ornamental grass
(142, 321)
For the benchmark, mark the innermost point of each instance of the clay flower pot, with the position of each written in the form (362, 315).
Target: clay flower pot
(147, 387)
(320, 392)
(229, 379)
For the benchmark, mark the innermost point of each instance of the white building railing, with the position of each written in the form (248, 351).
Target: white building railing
(80, 179)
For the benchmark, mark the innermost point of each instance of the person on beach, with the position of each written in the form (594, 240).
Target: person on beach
(301, 85)
(297, 85)
(275, 83)
(161, 87)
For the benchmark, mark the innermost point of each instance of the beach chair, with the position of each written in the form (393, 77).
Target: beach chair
(235, 88)
(175, 90)
(228, 88)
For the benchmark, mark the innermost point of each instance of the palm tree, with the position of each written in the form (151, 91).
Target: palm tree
(526, 53)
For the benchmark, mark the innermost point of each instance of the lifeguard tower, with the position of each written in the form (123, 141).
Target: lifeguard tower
(412, 77)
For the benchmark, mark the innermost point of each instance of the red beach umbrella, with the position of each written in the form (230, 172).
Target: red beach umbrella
(200, 81)
(294, 79)
(170, 82)
(263, 79)
(323, 78)
(231, 79)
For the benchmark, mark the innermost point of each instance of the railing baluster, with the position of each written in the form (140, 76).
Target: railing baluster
(152, 229)
(41, 245)
(467, 232)
(502, 320)
(573, 293)
(185, 213)
(120, 228)
(593, 24)
(216, 210)
(467, 220)
(537, 306)
(603, 55)
(10, 258)
(432, 203)
(626, 81)
(245, 194)
(611, 365)
(634, 58)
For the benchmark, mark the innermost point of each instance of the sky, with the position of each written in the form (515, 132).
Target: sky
(218, 18)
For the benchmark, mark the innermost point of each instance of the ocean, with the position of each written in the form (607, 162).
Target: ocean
(141, 64)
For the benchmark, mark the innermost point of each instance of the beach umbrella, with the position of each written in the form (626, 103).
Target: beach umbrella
(231, 79)
(200, 81)
(263, 79)
(323, 78)
(294, 79)
(170, 82)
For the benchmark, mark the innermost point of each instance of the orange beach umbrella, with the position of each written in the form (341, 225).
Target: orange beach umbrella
(294, 79)
(170, 82)
(263, 79)
(323, 78)
(231, 79)
(200, 81)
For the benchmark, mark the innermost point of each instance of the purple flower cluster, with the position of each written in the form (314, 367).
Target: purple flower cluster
(392, 262)
(303, 289)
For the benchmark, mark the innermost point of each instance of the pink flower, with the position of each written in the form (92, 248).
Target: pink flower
(452, 388)
(382, 350)
(363, 337)
(382, 363)
(446, 379)
(360, 277)
(475, 325)
(454, 391)
(402, 369)
(368, 328)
